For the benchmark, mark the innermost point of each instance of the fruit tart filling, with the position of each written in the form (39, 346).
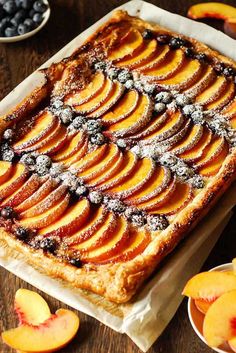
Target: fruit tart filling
(137, 123)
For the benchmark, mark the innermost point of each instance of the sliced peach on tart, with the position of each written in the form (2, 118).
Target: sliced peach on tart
(58, 141)
(219, 322)
(96, 239)
(160, 56)
(230, 109)
(141, 57)
(160, 199)
(42, 125)
(179, 136)
(140, 176)
(214, 166)
(15, 181)
(92, 89)
(71, 220)
(95, 221)
(49, 216)
(128, 47)
(156, 122)
(111, 155)
(233, 122)
(136, 120)
(77, 155)
(180, 198)
(214, 148)
(213, 91)
(124, 107)
(205, 79)
(90, 158)
(49, 336)
(26, 190)
(71, 146)
(5, 170)
(224, 99)
(166, 69)
(30, 307)
(126, 168)
(96, 101)
(111, 246)
(193, 137)
(154, 186)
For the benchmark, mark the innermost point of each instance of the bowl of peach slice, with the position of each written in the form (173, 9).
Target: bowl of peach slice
(212, 306)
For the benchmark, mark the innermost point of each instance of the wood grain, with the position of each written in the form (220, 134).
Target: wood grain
(17, 61)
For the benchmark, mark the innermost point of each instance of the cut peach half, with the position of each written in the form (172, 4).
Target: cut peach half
(5, 171)
(215, 165)
(124, 107)
(193, 137)
(198, 150)
(98, 238)
(211, 152)
(212, 9)
(166, 69)
(71, 220)
(43, 124)
(16, 180)
(141, 57)
(46, 187)
(71, 146)
(220, 321)
(111, 155)
(95, 102)
(76, 155)
(136, 120)
(129, 46)
(140, 175)
(180, 198)
(48, 202)
(27, 189)
(111, 100)
(30, 307)
(57, 142)
(48, 336)
(92, 89)
(49, 216)
(154, 186)
(160, 56)
(117, 240)
(213, 91)
(90, 159)
(224, 99)
(95, 221)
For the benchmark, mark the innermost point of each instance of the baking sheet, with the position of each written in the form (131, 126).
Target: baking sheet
(146, 317)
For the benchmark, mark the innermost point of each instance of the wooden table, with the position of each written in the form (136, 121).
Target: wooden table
(17, 61)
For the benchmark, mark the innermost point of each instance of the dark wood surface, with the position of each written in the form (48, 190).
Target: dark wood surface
(17, 61)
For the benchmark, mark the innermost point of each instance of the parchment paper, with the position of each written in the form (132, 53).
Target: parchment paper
(148, 314)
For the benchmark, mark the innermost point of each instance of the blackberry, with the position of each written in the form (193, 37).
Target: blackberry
(147, 34)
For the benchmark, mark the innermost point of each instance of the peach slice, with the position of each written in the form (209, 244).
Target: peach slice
(16, 180)
(140, 176)
(124, 107)
(227, 95)
(206, 78)
(181, 197)
(178, 137)
(48, 336)
(166, 69)
(212, 9)
(98, 238)
(230, 27)
(156, 123)
(71, 146)
(141, 57)
(27, 189)
(214, 166)
(71, 220)
(198, 150)
(43, 124)
(203, 305)
(77, 155)
(112, 154)
(113, 97)
(232, 341)
(155, 185)
(90, 159)
(212, 151)
(56, 142)
(136, 120)
(234, 265)
(213, 91)
(5, 171)
(220, 321)
(91, 90)
(191, 140)
(230, 109)
(128, 47)
(49, 216)
(95, 102)
(30, 307)
(160, 56)
(117, 240)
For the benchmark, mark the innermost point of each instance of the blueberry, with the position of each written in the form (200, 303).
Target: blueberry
(31, 13)
(202, 57)
(39, 6)
(30, 23)
(163, 39)
(23, 29)
(219, 68)
(76, 262)
(7, 212)
(147, 34)
(189, 53)
(176, 43)
(26, 4)
(18, 3)
(11, 32)
(2, 13)
(10, 7)
(18, 18)
(38, 18)
(229, 71)
(21, 233)
(4, 24)
(48, 244)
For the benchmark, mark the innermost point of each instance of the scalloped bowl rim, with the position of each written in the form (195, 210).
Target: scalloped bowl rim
(46, 16)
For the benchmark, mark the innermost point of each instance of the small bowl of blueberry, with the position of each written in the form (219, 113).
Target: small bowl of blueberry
(21, 19)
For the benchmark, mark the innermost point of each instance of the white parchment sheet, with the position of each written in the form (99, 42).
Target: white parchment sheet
(145, 318)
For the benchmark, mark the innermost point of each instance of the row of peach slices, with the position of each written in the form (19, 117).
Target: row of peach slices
(214, 294)
(39, 330)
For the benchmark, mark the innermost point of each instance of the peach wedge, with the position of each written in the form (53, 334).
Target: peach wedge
(49, 336)
(212, 9)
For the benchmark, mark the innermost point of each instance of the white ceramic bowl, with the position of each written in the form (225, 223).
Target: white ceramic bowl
(46, 16)
(196, 317)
